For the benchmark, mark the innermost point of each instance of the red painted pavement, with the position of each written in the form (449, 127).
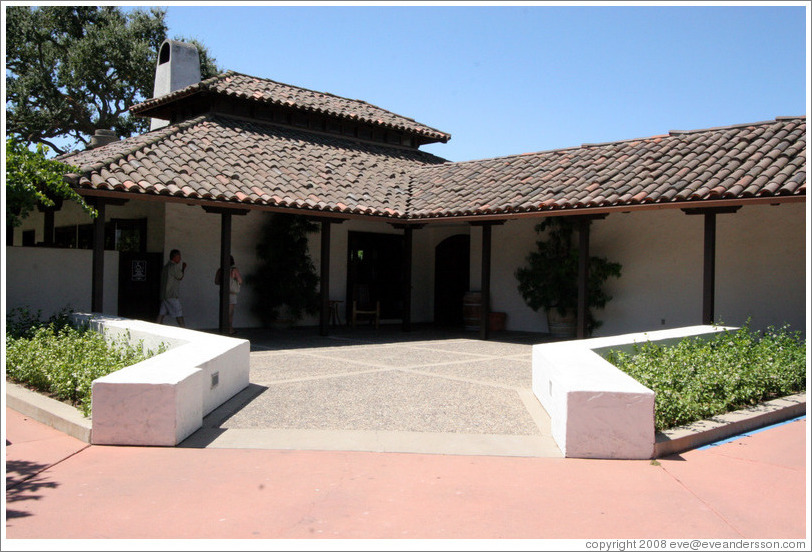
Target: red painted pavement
(754, 487)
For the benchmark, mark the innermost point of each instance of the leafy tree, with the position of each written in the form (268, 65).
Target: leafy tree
(549, 280)
(32, 179)
(73, 69)
(285, 275)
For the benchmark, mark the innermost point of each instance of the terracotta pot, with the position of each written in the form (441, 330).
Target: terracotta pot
(497, 321)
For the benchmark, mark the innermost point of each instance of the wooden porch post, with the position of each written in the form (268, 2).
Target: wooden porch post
(709, 258)
(709, 269)
(225, 269)
(324, 280)
(49, 215)
(485, 308)
(97, 285)
(49, 227)
(485, 284)
(407, 278)
(225, 262)
(406, 291)
(583, 277)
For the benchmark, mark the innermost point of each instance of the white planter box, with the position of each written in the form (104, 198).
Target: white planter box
(597, 410)
(163, 399)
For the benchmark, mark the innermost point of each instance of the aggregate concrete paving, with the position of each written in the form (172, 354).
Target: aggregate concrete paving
(385, 390)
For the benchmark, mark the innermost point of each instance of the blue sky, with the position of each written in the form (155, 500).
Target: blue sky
(506, 80)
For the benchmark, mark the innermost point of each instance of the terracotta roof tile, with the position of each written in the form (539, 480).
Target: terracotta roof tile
(240, 86)
(265, 164)
(299, 167)
(759, 159)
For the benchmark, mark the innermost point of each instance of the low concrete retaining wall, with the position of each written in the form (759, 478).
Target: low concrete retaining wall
(597, 410)
(163, 399)
(704, 432)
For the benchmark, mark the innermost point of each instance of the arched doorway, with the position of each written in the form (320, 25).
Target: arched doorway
(451, 273)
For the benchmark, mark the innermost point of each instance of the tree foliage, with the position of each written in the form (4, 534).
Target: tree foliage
(285, 275)
(73, 69)
(33, 179)
(549, 280)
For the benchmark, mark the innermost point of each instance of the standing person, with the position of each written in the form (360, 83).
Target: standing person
(171, 276)
(234, 283)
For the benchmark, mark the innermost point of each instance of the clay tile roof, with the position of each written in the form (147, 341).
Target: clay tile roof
(753, 160)
(246, 87)
(232, 160)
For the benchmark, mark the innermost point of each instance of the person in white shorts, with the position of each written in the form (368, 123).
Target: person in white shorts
(171, 276)
(235, 281)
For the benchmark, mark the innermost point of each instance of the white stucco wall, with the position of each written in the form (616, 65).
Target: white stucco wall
(761, 265)
(197, 235)
(760, 268)
(511, 243)
(660, 286)
(72, 214)
(760, 271)
(50, 279)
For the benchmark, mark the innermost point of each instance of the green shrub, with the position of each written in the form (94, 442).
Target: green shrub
(701, 378)
(56, 358)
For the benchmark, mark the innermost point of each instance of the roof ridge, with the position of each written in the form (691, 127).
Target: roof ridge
(739, 125)
(319, 92)
(341, 98)
(179, 93)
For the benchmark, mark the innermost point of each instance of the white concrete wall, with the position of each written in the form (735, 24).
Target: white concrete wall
(51, 279)
(760, 268)
(162, 400)
(596, 410)
(511, 243)
(660, 286)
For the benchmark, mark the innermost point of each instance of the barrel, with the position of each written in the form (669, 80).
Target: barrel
(471, 309)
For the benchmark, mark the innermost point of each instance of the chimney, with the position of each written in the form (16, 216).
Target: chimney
(102, 137)
(178, 67)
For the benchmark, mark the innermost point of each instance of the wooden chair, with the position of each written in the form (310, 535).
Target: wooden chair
(363, 305)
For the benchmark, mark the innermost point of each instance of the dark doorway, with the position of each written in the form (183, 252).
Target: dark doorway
(375, 271)
(139, 283)
(451, 273)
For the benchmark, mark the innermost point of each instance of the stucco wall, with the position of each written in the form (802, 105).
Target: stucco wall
(761, 265)
(760, 271)
(72, 214)
(760, 268)
(51, 279)
(197, 235)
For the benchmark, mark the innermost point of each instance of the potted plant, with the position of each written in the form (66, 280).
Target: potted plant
(285, 281)
(549, 280)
